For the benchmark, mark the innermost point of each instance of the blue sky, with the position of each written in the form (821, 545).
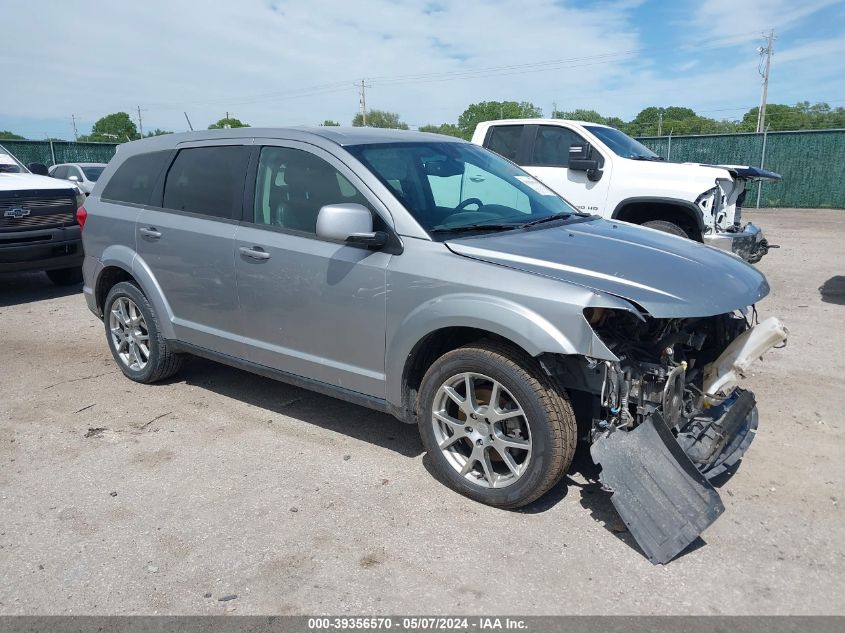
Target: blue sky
(280, 62)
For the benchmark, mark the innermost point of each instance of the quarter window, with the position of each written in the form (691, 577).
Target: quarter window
(504, 140)
(136, 177)
(293, 185)
(551, 146)
(207, 180)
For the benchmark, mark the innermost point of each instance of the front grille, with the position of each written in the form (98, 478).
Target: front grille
(21, 210)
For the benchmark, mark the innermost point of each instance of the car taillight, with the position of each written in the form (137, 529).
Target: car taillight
(81, 216)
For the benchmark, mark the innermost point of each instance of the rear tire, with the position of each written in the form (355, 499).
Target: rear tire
(65, 276)
(134, 336)
(504, 450)
(666, 227)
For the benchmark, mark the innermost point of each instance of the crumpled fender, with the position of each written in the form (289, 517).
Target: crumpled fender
(530, 331)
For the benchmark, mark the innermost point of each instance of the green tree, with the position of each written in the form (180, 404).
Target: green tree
(491, 110)
(380, 118)
(157, 132)
(329, 123)
(227, 122)
(448, 129)
(802, 116)
(590, 116)
(10, 136)
(113, 128)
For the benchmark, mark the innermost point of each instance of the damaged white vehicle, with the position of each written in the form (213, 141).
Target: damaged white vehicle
(602, 170)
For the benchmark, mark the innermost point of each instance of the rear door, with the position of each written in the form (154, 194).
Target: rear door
(186, 241)
(310, 307)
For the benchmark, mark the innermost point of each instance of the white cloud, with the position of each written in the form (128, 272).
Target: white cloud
(286, 62)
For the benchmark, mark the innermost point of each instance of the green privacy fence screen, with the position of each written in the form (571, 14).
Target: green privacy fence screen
(812, 163)
(64, 151)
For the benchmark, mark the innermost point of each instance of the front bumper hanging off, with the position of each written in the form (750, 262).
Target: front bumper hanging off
(748, 242)
(661, 484)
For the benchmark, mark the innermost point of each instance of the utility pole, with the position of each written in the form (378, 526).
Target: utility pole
(362, 102)
(659, 124)
(140, 123)
(191, 127)
(767, 51)
(554, 109)
(75, 134)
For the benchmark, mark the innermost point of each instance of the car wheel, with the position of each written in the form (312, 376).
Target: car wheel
(134, 336)
(496, 428)
(666, 227)
(65, 276)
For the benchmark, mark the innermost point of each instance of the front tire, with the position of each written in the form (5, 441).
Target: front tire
(65, 276)
(495, 427)
(666, 227)
(134, 337)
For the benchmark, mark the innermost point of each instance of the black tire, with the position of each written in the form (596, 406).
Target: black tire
(549, 416)
(162, 362)
(666, 227)
(65, 276)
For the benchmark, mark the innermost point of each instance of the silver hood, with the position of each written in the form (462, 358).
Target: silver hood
(668, 276)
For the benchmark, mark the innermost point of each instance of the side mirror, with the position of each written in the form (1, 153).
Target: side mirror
(350, 223)
(73, 178)
(39, 169)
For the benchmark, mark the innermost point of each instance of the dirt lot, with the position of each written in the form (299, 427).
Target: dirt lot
(118, 498)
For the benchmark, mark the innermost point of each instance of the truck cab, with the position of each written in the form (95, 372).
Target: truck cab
(601, 170)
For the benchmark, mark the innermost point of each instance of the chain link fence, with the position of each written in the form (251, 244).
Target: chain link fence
(811, 163)
(56, 152)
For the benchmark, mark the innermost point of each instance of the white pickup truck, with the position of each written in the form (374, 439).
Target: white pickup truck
(601, 170)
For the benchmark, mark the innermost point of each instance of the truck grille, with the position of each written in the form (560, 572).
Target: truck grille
(40, 209)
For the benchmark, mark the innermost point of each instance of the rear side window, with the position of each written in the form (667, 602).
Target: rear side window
(207, 180)
(504, 140)
(136, 177)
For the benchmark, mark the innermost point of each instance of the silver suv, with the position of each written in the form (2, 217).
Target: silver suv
(435, 280)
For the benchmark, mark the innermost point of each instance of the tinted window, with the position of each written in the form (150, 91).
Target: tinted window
(551, 146)
(207, 180)
(135, 178)
(60, 172)
(504, 140)
(93, 173)
(292, 185)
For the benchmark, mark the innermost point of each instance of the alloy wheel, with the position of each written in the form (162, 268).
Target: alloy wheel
(129, 333)
(482, 430)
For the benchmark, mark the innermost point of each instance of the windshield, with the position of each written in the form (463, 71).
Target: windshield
(92, 173)
(458, 187)
(9, 164)
(622, 144)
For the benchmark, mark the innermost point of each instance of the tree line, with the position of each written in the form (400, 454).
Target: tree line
(652, 121)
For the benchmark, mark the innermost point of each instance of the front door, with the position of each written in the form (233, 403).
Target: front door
(548, 161)
(309, 307)
(187, 243)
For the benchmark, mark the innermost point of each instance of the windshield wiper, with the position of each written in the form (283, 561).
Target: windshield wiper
(556, 216)
(643, 157)
(474, 227)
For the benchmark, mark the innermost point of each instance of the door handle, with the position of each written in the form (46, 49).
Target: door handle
(477, 178)
(254, 252)
(150, 232)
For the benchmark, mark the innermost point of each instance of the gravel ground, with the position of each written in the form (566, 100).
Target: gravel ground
(117, 498)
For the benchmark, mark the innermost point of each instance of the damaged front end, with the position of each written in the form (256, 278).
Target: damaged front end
(671, 416)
